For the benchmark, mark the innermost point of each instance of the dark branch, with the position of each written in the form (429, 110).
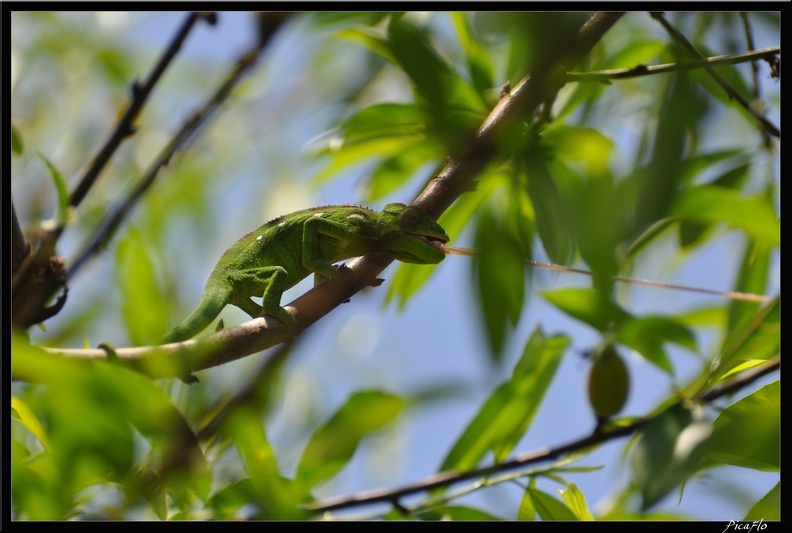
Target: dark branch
(178, 144)
(768, 126)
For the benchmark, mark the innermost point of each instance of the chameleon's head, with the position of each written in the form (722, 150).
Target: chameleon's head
(408, 234)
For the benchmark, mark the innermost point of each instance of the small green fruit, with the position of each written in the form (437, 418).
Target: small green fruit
(608, 384)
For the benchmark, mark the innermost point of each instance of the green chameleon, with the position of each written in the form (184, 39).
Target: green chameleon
(284, 251)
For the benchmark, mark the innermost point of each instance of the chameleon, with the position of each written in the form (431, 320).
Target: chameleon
(282, 252)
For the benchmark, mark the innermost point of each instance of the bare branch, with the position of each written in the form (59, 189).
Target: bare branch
(179, 142)
(37, 279)
(768, 126)
(604, 76)
(140, 93)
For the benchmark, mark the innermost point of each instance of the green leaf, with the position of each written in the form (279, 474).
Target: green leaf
(756, 337)
(752, 278)
(768, 507)
(589, 306)
(576, 501)
(551, 224)
(90, 408)
(500, 274)
(480, 67)
(713, 204)
(748, 432)
(668, 452)
(508, 412)
(546, 506)
(419, 60)
(333, 444)
(62, 214)
(145, 311)
(648, 334)
(680, 111)
(396, 170)
(370, 38)
(28, 418)
(278, 497)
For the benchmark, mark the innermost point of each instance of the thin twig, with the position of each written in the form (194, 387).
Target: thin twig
(603, 76)
(444, 479)
(179, 143)
(768, 126)
(734, 295)
(140, 93)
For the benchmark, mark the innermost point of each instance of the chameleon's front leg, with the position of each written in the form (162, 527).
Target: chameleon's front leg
(269, 282)
(312, 256)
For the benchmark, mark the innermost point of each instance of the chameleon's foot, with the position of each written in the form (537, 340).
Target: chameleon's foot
(283, 315)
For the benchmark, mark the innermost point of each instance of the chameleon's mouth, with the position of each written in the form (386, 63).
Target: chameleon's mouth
(431, 239)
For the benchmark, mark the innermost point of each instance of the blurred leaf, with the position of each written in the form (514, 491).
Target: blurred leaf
(90, 408)
(450, 102)
(456, 513)
(576, 501)
(333, 444)
(370, 38)
(17, 147)
(508, 412)
(396, 170)
(748, 432)
(648, 334)
(680, 111)
(589, 306)
(667, 453)
(115, 65)
(548, 206)
(756, 337)
(145, 312)
(501, 276)
(380, 130)
(710, 203)
(752, 278)
(22, 412)
(279, 498)
(479, 64)
(768, 507)
(62, 214)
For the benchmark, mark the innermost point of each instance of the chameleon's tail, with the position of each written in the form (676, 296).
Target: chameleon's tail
(207, 310)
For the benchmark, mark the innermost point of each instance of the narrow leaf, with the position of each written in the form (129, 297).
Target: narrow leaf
(508, 412)
(333, 444)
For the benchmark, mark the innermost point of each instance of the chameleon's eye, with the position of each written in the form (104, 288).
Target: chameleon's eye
(410, 217)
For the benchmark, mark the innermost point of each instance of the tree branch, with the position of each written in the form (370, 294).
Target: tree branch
(180, 141)
(604, 76)
(445, 479)
(768, 126)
